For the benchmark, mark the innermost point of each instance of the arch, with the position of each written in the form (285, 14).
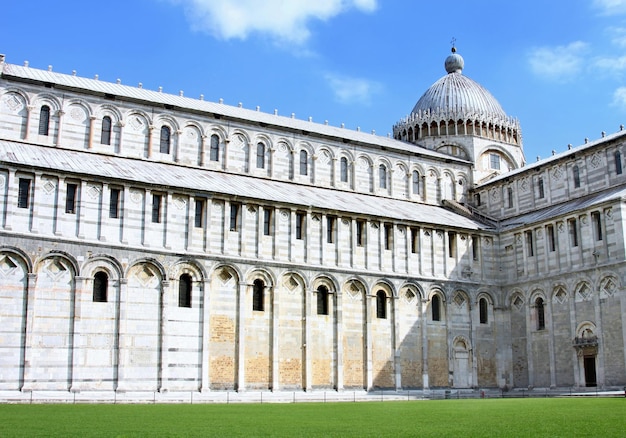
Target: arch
(163, 119)
(188, 266)
(47, 99)
(20, 255)
(412, 287)
(79, 102)
(73, 264)
(108, 110)
(583, 290)
(147, 261)
(102, 262)
(14, 90)
(508, 156)
(263, 274)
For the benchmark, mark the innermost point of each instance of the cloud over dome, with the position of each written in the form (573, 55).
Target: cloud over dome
(285, 21)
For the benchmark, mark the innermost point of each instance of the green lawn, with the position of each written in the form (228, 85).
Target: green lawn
(602, 417)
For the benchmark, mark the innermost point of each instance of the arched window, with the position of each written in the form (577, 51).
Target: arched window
(618, 162)
(344, 169)
(258, 295)
(322, 300)
(165, 140)
(105, 133)
(382, 176)
(381, 304)
(44, 120)
(416, 182)
(260, 155)
(304, 162)
(482, 308)
(576, 172)
(100, 286)
(541, 316)
(435, 308)
(184, 290)
(214, 154)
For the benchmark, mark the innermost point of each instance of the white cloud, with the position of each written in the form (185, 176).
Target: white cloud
(611, 66)
(283, 20)
(610, 7)
(618, 36)
(619, 97)
(558, 62)
(349, 90)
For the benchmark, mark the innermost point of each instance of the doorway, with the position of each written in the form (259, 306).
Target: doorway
(590, 371)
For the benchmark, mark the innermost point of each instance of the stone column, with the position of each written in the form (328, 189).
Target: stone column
(369, 370)
(92, 119)
(151, 129)
(393, 302)
(27, 330)
(423, 322)
(241, 343)
(550, 328)
(120, 125)
(59, 126)
(339, 340)
(275, 351)
(205, 378)
(118, 371)
(164, 359)
(203, 141)
(308, 370)
(29, 115)
(80, 290)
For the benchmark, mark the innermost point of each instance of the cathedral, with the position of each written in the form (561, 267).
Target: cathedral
(156, 242)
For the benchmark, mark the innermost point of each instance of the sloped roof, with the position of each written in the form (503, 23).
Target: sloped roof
(196, 105)
(209, 183)
(554, 211)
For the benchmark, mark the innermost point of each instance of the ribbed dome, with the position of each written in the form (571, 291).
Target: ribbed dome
(458, 94)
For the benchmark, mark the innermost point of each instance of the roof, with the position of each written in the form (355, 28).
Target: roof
(458, 94)
(211, 108)
(617, 193)
(553, 158)
(210, 183)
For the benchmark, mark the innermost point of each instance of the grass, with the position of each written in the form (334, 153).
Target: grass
(604, 417)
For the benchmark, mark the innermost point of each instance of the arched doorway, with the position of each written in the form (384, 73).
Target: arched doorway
(586, 345)
(461, 364)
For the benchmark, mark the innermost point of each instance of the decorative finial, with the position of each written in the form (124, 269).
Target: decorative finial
(453, 42)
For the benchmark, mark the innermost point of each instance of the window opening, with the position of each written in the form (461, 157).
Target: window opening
(234, 217)
(344, 169)
(382, 174)
(482, 307)
(267, 221)
(156, 208)
(44, 120)
(360, 235)
(451, 244)
(165, 140)
(23, 193)
(214, 151)
(258, 295)
(114, 203)
(576, 172)
(530, 248)
(299, 225)
(414, 240)
(70, 198)
(330, 228)
(494, 161)
(416, 182)
(435, 308)
(388, 230)
(184, 290)
(551, 238)
(304, 162)
(541, 189)
(260, 156)
(541, 317)
(597, 224)
(618, 162)
(105, 133)
(198, 219)
(381, 304)
(322, 300)
(509, 192)
(573, 232)
(100, 286)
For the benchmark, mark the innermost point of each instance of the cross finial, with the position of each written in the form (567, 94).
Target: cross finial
(453, 42)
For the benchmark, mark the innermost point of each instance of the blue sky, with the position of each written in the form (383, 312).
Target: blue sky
(558, 66)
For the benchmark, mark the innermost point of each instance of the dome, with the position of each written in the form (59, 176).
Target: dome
(458, 94)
